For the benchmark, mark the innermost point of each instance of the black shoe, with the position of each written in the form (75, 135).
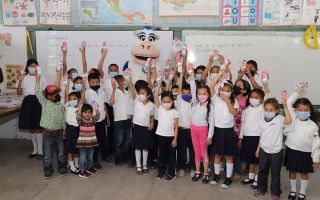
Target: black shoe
(32, 155)
(160, 176)
(302, 197)
(226, 184)
(48, 174)
(76, 172)
(39, 156)
(196, 177)
(292, 196)
(215, 179)
(205, 179)
(145, 169)
(97, 165)
(170, 178)
(247, 181)
(63, 172)
(254, 185)
(92, 171)
(139, 170)
(85, 174)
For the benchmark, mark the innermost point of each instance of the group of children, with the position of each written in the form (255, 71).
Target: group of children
(178, 115)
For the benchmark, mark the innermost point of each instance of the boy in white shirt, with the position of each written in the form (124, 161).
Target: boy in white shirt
(120, 100)
(96, 97)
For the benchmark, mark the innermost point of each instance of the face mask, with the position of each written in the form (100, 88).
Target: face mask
(213, 75)
(227, 94)
(303, 116)
(252, 72)
(113, 74)
(237, 90)
(186, 97)
(142, 97)
(32, 70)
(78, 87)
(198, 77)
(57, 98)
(269, 115)
(73, 103)
(254, 102)
(174, 96)
(202, 98)
(95, 87)
(74, 75)
(166, 106)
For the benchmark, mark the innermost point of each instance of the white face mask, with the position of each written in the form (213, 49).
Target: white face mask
(254, 102)
(213, 75)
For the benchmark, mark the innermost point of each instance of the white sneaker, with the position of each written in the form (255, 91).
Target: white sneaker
(181, 173)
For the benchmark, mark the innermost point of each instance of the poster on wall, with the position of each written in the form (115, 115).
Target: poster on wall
(240, 12)
(282, 12)
(189, 8)
(12, 76)
(19, 12)
(55, 12)
(311, 12)
(121, 12)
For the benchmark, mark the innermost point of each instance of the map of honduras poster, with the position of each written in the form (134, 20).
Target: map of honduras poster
(100, 12)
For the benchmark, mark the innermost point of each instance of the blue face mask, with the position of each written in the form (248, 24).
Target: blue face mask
(73, 103)
(269, 115)
(113, 74)
(32, 70)
(74, 75)
(303, 116)
(78, 87)
(198, 77)
(186, 97)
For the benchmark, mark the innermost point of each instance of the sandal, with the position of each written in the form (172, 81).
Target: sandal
(139, 170)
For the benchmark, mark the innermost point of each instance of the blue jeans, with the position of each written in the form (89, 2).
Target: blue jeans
(86, 158)
(121, 139)
(51, 139)
(101, 133)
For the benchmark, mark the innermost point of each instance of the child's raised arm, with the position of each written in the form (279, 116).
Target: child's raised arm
(104, 53)
(193, 88)
(156, 95)
(287, 115)
(214, 82)
(58, 78)
(132, 89)
(113, 95)
(180, 83)
(84, 59)
(210, 63)
(64, 60)
(254, 83)
(149, 78)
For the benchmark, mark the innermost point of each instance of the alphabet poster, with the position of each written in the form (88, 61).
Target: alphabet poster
(19, 12)
(311, 9)
(282, 12)
(55, 12)
(240, 12)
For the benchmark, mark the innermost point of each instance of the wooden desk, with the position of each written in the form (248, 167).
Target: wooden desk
(8, 111)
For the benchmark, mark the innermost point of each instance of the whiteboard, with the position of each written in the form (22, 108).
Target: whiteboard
(119, 43)
(282, 54)
(16, 53)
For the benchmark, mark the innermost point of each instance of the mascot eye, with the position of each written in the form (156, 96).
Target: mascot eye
(142, 38)
(151, 39)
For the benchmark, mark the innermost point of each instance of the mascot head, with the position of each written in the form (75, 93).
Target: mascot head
(146, 47)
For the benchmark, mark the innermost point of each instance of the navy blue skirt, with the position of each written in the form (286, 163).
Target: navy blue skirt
(224, 141)
(142, 138)
(72, 134)
(30, 113)
(249, 148)
(298, 161)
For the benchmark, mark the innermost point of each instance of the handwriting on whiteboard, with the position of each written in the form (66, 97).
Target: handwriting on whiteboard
(200, 48)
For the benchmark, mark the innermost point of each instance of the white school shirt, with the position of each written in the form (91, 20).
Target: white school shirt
(166, 122)
(107, 87)
(142, 113)
(71, 113)
(29, 83)
(271, 134)
(256, 77)
(156, 109)
(184, 111)
(302, 135)
(99, 98)
(120, 105)
(222, 116)
(249, 117)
